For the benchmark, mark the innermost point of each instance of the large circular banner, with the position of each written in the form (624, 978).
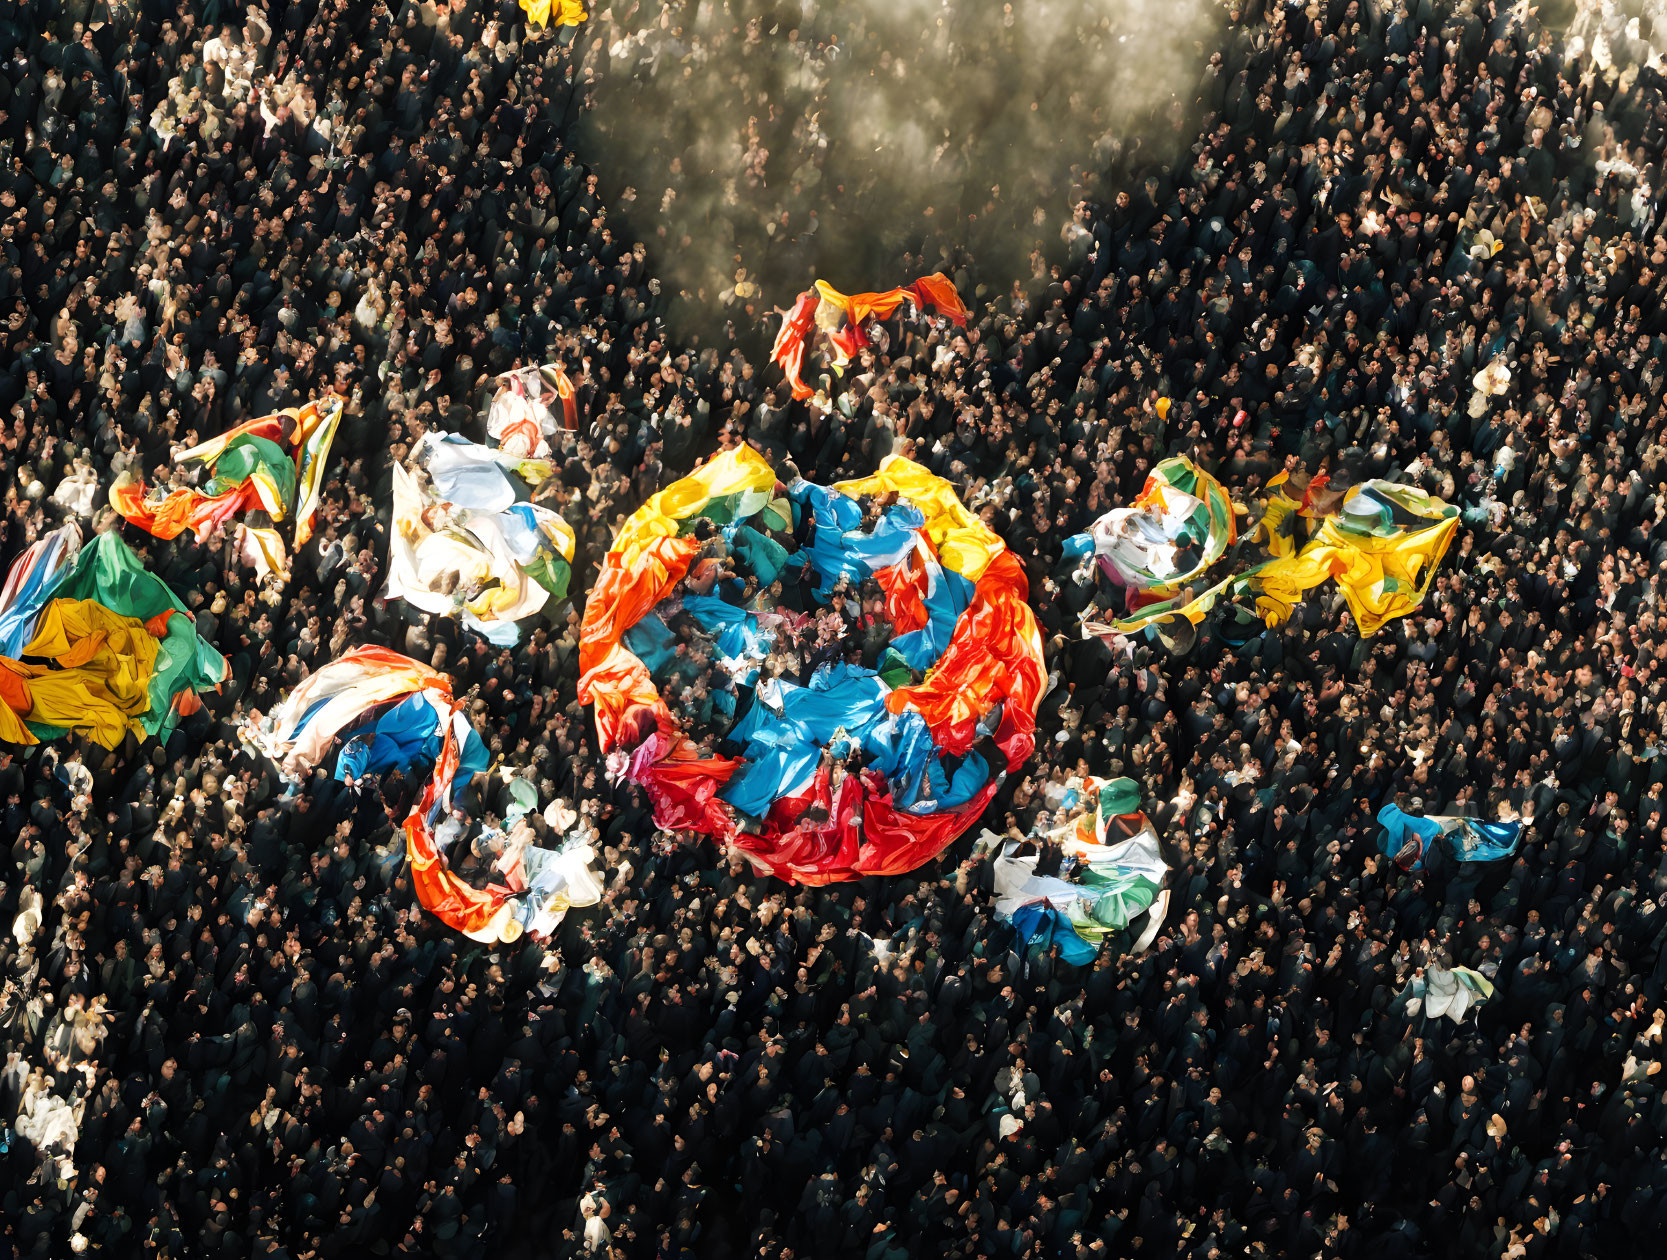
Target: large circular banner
(834, 680)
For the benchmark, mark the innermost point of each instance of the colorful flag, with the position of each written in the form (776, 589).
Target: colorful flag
(843, 319)
(932, 754)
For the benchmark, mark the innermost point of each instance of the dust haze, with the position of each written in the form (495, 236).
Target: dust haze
(868, 141)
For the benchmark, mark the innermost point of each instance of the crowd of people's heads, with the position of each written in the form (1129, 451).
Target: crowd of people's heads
(1417, 241)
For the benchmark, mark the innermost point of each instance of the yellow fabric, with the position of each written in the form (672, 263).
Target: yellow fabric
(266, 549)
(1193, 611)
(15, 701)
(960, 538)
(1382, 578)
(559, 532)
(740, 471)
(564, 12)
(106, 662)
(1278, 526)
(318, 424)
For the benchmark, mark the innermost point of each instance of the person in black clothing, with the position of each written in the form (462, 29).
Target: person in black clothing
(234, 1030)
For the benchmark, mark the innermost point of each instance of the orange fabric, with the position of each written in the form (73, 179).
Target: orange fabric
(905, 586)
(82, 650)
(995, 651)
(569, 400)
(14, 688)
(610, 676)
(938, 291)
(181, 510)
(279, 428)
(847, 342)
(526, 429)
(789, 350)
(443, 894)
(861, 307)
(994, 654)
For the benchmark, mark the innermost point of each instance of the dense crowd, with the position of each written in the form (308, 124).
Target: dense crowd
(1416, 240)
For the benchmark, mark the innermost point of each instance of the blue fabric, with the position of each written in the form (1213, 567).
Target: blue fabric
(465, 473)
(526, 540)
(839, 548)
(771, 772)
(652, 642)
(404, 735)
(1396, 822)
(1079, 545)
(901, 749)
(350, 762)
(47, 569)
(947, 596)
(312, 712)
(759, 552)
(782, 750)
(1471, 841)
(473, 759)
(397, 737)
(954, 791)
(497, 633)
(1485, 841)
(736, 629)
(1039, 925)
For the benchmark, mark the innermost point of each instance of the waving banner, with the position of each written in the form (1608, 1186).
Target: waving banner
(850, 745)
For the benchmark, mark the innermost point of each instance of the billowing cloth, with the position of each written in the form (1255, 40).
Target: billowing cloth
(1181, 524)
(792, 338)
(1407, 837)
(542, 13)
(522, 414)
(95, 644)
(317, 433)
(842, 318)
(490, 567)
(374, 710)
(1114, 874)
(476, 477)
(1446, 991)
(99, 677)
(1383, 547)
(931, 755)
(272, 465)
(30, 582)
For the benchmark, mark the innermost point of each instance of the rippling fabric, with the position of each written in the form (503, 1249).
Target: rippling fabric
(318, 425)
(488, 567)
(474, 476)
(1382, 547)
(273, 464)
(1114, 873)
(931, 754)
(842, 318)
(1467, 839)
(521, 418)
(379, 710)
(96, 644)
(554, 12)
(1179, 526)
(89, 670)
(30, 582)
